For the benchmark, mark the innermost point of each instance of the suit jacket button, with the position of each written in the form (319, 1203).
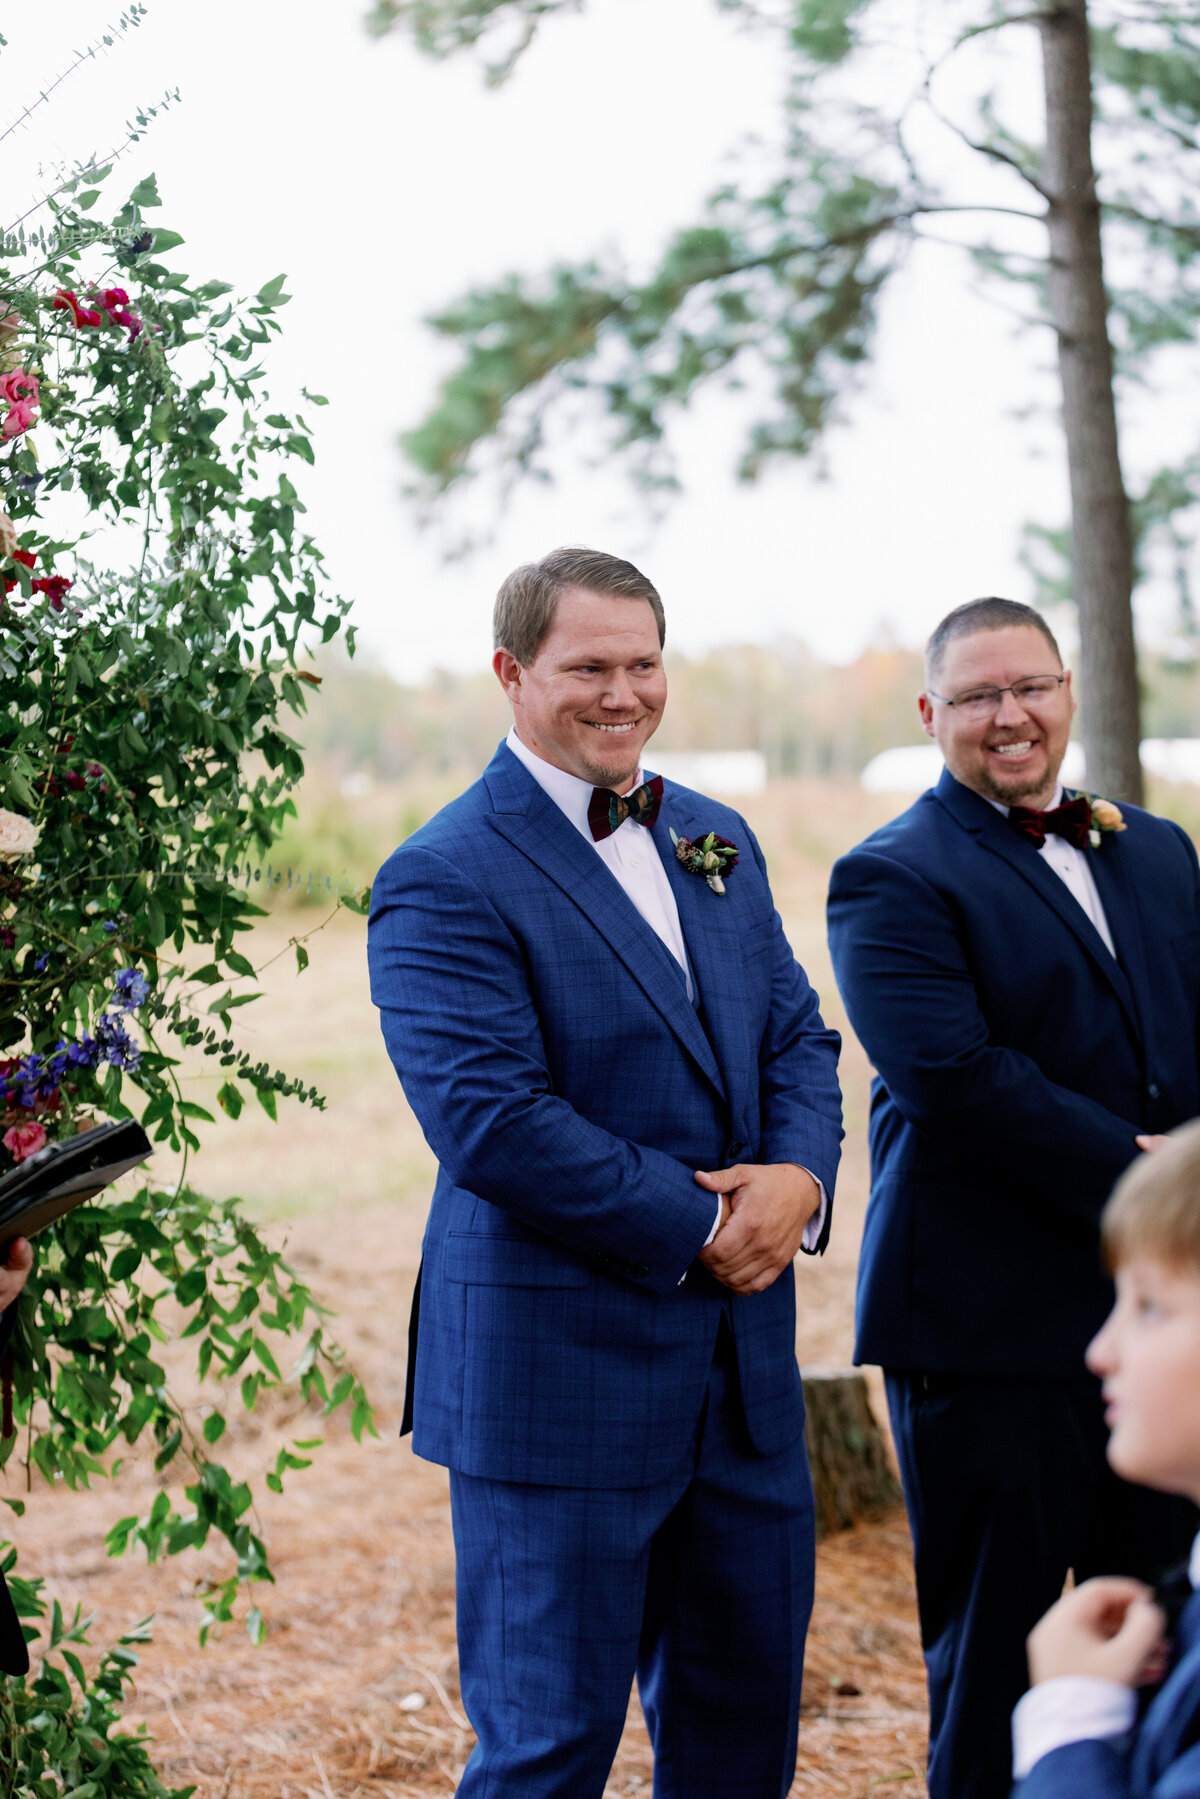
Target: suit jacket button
(1152, 1090)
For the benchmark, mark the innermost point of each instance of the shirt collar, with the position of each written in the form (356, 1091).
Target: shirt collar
(571, 795)
(1000, 807)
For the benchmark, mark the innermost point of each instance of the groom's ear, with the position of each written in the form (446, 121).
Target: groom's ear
(508, 673)
(925, 707)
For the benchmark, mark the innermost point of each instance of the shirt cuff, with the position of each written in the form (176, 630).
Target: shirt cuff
(1074, 1708)
(716, 1225)
(816, 1224)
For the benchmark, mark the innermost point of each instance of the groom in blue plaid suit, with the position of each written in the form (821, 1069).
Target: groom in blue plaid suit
(634, 1105)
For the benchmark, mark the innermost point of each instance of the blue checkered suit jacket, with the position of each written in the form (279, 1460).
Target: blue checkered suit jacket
(569, 1090)
(1159, 1759)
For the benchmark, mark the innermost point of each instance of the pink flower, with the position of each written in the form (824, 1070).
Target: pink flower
(18, 419)
(24, 1140)
(115, 302)
(65, 301)
(20, 389)
(19, 386)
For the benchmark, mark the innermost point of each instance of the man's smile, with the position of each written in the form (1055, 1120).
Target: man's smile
(630, 724)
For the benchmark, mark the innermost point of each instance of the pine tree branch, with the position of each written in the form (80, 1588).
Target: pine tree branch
(1176, 227)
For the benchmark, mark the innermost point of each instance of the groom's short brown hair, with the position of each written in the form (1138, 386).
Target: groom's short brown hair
(528, 598)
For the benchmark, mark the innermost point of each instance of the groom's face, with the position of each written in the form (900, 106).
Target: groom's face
(593, 695)
(1013, 752)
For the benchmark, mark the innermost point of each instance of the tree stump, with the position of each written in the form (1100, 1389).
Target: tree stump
(852, 1476)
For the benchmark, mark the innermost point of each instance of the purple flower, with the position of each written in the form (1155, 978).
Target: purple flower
(131, 989)
(115, 1044)
(110, 925)
(41, 964)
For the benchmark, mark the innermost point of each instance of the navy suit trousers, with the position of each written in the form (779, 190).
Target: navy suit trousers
(1007, 1489)
(701, 1585)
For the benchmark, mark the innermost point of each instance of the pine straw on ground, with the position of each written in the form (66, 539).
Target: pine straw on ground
(354, 1692)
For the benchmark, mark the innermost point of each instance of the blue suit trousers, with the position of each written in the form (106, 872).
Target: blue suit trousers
(701, 1585)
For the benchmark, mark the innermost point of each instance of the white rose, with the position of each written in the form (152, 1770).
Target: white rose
(8, 535)
(18, 835)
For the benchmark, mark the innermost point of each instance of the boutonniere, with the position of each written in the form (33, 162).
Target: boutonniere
(1105, 818)
(711, 856)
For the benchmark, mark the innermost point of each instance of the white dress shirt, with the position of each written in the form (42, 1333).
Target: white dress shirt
(1075, 1708)
(631, 856)
(1074, 871)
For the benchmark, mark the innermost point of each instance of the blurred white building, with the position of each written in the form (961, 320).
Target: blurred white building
(712, 771)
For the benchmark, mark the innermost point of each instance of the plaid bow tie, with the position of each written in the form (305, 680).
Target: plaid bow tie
(1072, 821)
(607, 810)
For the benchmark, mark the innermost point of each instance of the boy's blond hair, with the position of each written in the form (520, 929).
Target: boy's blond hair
(1155, 1206)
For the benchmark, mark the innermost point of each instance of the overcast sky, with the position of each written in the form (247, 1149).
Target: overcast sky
(382, 183)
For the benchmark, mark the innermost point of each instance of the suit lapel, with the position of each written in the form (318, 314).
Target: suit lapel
(530, 820)
(1110, 871)
(993, 832)
(709, 922)
(1169, 1722)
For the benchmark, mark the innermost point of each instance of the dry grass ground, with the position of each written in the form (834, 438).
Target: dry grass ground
(354, 1692)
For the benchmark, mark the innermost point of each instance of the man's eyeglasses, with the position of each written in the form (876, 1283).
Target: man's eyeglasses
(981, 702)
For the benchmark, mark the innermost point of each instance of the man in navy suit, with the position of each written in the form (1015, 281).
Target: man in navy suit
(633, 1101)
(1024, 975)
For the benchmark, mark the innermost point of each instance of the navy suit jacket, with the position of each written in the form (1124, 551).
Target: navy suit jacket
(1159, 1759)
(569, 1089)
(1016, 1062)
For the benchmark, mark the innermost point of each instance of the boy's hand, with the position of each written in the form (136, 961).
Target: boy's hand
(1108, 1628)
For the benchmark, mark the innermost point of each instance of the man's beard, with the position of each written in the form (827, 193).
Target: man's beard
(604, 777)
(1018, 789)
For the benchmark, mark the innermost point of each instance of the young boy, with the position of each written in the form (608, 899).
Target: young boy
(1074, 1733)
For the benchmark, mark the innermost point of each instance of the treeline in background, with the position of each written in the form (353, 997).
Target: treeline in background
(384, 755)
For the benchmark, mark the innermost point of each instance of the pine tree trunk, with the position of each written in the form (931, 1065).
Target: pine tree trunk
(852, 1477)
(1102, 547)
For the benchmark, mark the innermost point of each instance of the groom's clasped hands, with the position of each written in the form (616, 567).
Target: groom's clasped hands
(764, 1209)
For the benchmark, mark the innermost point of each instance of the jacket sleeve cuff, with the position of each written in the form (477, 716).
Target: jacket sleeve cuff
(1075, 1708)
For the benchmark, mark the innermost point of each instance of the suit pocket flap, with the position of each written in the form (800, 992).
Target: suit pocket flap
(509, 1262)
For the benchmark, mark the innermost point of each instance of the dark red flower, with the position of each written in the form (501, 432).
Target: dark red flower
(54, 587)
(75, 782)
(65, 301)
(25, 557)
(8, 937)
(94, 769)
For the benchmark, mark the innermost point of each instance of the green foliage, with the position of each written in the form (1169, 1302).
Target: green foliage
(785, 279)
(158, 604)
(442, 26)
(58, 1732)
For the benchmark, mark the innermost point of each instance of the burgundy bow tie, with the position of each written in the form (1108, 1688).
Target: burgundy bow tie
(607, 810)
(1072, 821)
